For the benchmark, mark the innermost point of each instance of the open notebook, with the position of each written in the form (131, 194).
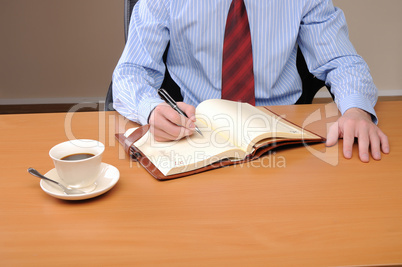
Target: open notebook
(233, 133)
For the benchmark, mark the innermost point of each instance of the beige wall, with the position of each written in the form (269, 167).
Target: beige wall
(55, 51)
(375, 29)
(58, 51)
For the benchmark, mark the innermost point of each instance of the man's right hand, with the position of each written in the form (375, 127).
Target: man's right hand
(167, 125)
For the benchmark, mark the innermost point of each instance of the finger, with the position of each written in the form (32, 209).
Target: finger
(189, 110)
(185, 126)
(165, 130)
(375, 145)
(171, 131)
(174, 117)
(165, 124)
(384, 142)
(164, 112)
(364, 143)
(333, 135)
(348, 140)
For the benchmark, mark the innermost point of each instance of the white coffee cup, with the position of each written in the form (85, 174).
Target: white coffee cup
(80, 173)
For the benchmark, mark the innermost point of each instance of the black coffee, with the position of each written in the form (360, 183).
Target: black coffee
(78, 156)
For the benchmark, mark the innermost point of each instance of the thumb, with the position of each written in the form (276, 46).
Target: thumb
(333, 134)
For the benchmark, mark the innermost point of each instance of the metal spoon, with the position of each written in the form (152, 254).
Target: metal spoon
(68, 191)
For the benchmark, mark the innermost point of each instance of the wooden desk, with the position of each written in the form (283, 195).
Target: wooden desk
(306, 213)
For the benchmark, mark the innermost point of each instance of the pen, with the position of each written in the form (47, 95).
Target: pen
(170, 101)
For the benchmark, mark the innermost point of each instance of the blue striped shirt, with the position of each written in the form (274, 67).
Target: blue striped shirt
(195, 30)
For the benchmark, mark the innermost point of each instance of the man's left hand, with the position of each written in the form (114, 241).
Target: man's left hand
(357, 123)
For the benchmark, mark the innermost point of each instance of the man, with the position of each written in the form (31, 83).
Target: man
(196, 30)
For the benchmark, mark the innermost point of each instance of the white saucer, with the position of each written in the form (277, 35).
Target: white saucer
(107, 179)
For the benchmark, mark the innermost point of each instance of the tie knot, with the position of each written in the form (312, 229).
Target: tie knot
(237, 9)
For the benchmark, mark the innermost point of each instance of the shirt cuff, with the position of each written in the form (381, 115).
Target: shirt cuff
(357, 101)
(146, 107)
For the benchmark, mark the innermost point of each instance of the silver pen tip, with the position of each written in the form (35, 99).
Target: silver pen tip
(198, 131)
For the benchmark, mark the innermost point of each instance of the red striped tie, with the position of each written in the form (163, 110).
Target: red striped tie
(237, 63)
